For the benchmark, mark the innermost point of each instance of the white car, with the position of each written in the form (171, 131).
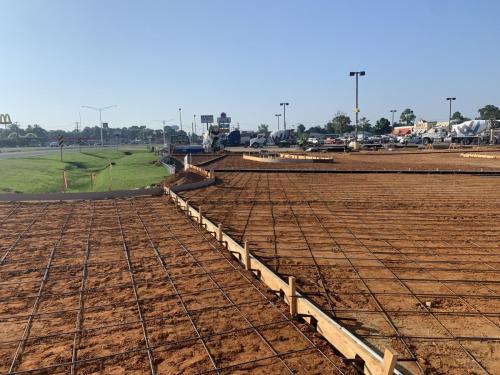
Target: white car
(313, 140)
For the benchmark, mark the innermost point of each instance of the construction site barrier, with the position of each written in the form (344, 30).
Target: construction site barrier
(342, 339)
(156, 191)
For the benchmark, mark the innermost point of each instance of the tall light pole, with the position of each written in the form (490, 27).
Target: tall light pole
(393, 111)
(100, 109)
(278, 115)
(356, 74)
(194, 120)
(284, 114)
(180, 117)
(449, 118)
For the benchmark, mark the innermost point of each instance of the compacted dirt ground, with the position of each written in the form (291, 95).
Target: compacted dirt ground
(407, 261)
(416, 160)
(133, 286)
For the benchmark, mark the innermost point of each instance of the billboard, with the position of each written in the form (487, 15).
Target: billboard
(207, 119)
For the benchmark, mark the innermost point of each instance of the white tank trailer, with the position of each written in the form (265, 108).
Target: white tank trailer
(476, 131)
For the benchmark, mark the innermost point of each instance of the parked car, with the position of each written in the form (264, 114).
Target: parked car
(411, 140)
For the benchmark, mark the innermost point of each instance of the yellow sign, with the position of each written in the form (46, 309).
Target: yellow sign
(356, 110)
(5, 119)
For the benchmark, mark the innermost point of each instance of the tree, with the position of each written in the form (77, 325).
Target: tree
(407, 117)
(457, 118)
(264, 129)
(301, 129)
(316, 129)
(340, 124)
(489, 112)
(364, 124)
(382, 126)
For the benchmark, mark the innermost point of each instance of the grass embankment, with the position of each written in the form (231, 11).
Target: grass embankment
(130, 169)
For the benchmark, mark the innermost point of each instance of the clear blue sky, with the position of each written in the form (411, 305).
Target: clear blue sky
(244, 57)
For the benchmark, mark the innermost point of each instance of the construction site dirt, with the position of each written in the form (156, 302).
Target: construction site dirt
(417, 160)
(403, 261)
(134, 286)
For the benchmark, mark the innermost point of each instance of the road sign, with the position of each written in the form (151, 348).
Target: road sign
(207, 119)
(60, 140)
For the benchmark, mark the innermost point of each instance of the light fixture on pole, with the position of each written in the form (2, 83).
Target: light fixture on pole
(278, 115)
(393, 111)
(450, 99)
(356, 74)
(284, 114)
(100, 109)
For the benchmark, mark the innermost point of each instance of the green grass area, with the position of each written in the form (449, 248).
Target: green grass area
(129, 169)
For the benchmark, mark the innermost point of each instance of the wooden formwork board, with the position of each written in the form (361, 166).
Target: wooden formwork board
(344, 341)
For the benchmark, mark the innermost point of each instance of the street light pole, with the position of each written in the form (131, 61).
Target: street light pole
(284, 114)
(393, 111)
(194, 120)
(450, 99)
(100, 109)
(180, 117)
(357, 74)
(278, 115)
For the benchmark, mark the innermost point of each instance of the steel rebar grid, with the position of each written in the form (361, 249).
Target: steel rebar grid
(210, 239)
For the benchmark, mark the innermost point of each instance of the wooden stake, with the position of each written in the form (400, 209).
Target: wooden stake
(390, 359)
(246, 256)
(219, 232)
(291, 296)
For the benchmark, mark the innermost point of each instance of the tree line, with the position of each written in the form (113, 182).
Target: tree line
(342, 123)
(35, 135)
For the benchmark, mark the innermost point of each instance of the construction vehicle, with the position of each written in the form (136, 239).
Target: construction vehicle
(259, 141)
(476, 132)
(212, 139)
(280, 138)
(434, 135)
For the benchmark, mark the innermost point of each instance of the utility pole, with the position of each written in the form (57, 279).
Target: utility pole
(100, 109)
(393, 111)
(284, 114)
(357, 74)
(278, 115)
(450, 99)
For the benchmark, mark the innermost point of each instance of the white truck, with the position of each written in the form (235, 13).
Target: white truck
(259, 141)
(476, 132)
(435, 135)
